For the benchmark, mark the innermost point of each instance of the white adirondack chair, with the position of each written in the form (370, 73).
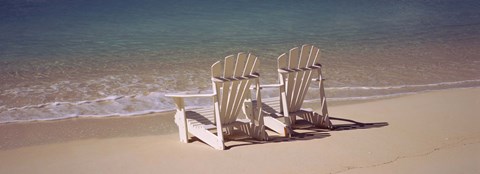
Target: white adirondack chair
(231, 92)
(296, 70)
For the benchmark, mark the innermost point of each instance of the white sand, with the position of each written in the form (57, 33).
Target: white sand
(435, 132)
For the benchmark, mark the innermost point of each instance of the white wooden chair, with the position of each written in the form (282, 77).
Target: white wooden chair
(296, 71)
(231, 92)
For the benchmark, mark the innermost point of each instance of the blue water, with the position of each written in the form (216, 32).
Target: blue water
(33, 28)
(68, 58)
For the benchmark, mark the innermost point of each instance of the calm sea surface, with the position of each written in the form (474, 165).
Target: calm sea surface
(70, 58)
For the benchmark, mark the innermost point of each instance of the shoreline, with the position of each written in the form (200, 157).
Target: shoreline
(311, 103)
(431, 132)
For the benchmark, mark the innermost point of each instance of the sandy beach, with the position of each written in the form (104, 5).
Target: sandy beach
(84, 84)
(432, 132)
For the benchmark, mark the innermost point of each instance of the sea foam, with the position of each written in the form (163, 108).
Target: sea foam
(129, 105)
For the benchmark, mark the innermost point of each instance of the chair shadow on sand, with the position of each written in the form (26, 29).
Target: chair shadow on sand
(355, 124)
(303, 131)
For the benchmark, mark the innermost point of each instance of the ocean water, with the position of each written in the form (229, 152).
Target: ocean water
(75, 58)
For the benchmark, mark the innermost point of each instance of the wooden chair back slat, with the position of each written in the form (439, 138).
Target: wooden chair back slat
(229, 66)
(304, 56)
(293, 58)
(239, 72)
(298, 73)
(240, 64)
(282, 61)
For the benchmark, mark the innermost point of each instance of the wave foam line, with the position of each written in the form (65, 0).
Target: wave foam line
(109, 98)
(164, 109)
(402, 86)
(124, 105)
(381, 96)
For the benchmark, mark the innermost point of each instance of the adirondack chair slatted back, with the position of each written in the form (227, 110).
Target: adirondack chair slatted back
(232, 81)
(296, 71)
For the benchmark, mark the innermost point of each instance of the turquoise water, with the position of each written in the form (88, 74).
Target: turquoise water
(70, 58)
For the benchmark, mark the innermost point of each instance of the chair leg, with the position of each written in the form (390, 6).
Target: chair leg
(258, 132)
(291, 119)
(228, 130)
(182, 127)
(320, 121)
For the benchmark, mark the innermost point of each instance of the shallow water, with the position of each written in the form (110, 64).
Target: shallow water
(69, 58)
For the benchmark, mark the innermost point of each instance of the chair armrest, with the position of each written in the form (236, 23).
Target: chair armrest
(178, 98)
(268, 86)
(271, 86)
(189, 95)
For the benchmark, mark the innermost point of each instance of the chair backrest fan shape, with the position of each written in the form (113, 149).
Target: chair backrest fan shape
(296, 71)
(231, 82)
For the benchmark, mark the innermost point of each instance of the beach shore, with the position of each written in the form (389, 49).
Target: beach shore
(432, 132)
